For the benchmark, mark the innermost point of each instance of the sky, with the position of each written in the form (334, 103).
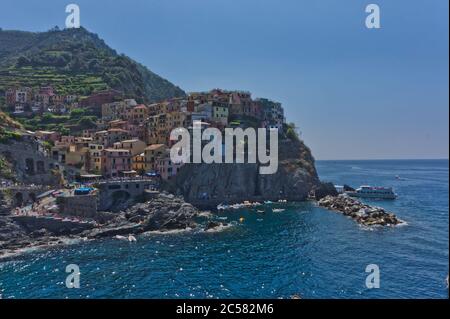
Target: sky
(353, 92)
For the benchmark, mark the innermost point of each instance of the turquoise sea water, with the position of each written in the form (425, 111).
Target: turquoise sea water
(304, 250)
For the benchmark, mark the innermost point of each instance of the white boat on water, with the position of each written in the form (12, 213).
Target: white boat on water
(373, 192)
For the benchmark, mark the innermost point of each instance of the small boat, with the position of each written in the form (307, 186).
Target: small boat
(119, 237)
(242, 219)
(131, 238)
(373, 192)
(222, 207)
(268, 202)
(278, 210)
(260, 211)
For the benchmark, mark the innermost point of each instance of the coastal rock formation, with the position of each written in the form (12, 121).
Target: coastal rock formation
(10, 230)
(5, 204)
(361, 213)
(323, 190)
(12, 236)
(162, 213)
(207, 185)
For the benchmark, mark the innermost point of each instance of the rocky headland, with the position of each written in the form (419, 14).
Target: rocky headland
(363, 214)
(207, 185)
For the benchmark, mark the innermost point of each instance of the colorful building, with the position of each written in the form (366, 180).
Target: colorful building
(115, 162)
(151, 153)
(166, 168)
(220, 112)
(97, 99)
(134, 146)
(95, 158)
(138, 163)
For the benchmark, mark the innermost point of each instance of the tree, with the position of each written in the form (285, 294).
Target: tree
(86, 122)
(22, 61)
(77, 113)
(291, 133)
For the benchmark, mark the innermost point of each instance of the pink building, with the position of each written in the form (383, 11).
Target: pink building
(115, 162)
(166, 168)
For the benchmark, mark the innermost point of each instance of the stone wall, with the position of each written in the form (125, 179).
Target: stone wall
(114, 193)
(30, 164)
(19, 196)
(81, 205)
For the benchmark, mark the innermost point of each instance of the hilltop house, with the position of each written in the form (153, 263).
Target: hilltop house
(220, 112)
(96, 100)
(18, 96)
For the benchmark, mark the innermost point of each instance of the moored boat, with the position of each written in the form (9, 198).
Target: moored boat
(373, 192)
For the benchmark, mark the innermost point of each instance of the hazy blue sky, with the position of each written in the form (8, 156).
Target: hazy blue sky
(355, 93)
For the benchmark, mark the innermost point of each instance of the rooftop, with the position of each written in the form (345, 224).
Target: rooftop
(116, 150)
(154, 147)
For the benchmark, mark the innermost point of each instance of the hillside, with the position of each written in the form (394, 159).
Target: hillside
(75, 61)
(7, 122)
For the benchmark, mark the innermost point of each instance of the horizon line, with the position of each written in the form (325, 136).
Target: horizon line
(386, 159)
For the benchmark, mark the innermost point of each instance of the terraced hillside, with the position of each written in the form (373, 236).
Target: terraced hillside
(75, 61)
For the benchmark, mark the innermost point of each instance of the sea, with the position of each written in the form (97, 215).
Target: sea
(304, 250)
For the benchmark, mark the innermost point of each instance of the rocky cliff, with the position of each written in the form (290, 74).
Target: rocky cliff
(207, 185)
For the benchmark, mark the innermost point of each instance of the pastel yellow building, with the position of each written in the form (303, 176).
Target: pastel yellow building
(151, 153)
(138, 163)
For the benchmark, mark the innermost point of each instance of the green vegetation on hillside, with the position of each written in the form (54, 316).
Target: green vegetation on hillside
(291, 133)
(64, 83)
(6, 169)
(75, 61)
(7, 135)
(8, 122)
(77, 120)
